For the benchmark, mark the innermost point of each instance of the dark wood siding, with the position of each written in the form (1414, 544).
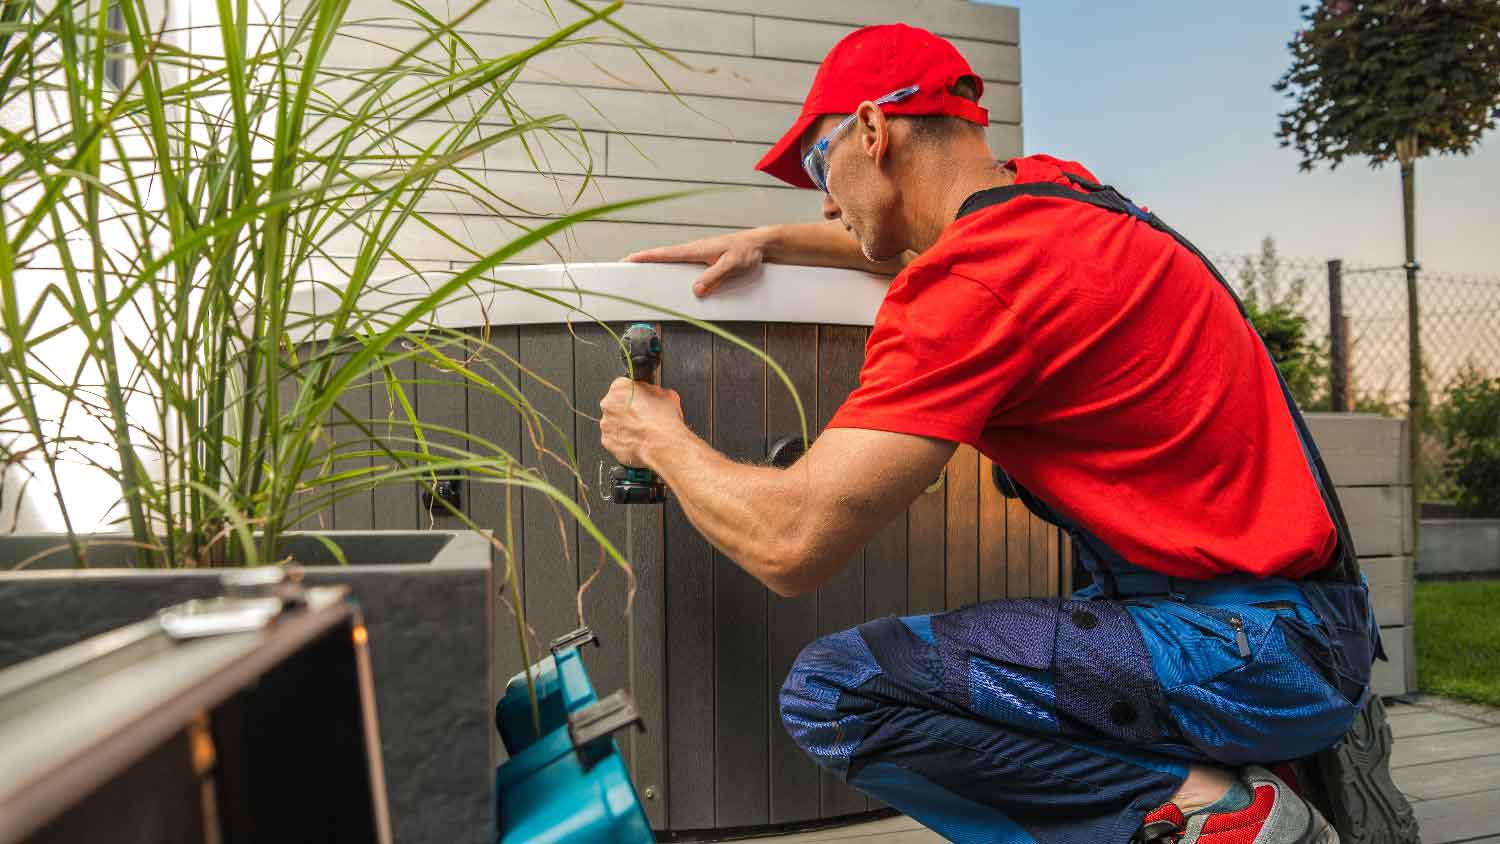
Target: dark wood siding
(705, 648)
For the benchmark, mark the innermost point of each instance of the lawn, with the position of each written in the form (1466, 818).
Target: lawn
(1458, 639)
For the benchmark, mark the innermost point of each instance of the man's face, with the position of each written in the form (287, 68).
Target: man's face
(859, 194)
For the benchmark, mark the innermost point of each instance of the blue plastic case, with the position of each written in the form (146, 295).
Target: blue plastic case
(565, 783)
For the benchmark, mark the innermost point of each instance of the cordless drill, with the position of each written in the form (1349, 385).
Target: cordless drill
(642, 353)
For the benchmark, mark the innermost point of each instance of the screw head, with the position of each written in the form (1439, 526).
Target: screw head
(649, 793)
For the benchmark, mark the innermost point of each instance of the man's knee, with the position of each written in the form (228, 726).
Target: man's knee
(816, 697)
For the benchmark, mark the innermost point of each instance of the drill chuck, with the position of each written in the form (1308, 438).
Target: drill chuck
(642, 351)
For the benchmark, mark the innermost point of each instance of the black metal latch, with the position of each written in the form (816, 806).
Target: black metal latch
(591, 726)
(577, 639)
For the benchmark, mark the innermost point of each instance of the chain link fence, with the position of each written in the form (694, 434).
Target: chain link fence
(1458, 335)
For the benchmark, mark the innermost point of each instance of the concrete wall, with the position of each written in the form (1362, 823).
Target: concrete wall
(1459, 546)
(1366, 455)
(746, 66)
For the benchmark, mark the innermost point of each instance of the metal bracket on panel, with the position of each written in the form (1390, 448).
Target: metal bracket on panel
(577, 639)
(440, 495)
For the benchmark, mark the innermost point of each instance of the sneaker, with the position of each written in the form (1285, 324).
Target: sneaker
(1276, 815)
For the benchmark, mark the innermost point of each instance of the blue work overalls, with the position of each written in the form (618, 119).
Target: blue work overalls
(1068, 720)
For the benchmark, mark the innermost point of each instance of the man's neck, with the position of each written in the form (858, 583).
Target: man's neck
(942, 194)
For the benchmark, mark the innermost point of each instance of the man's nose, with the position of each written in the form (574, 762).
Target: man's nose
(830, 208)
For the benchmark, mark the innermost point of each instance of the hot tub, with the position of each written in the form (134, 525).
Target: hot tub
(710, 645)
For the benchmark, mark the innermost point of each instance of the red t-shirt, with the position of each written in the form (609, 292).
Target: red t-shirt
(1102, 366)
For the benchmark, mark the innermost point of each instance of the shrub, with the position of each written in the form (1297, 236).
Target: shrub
(1275, 308)
(1470, 422)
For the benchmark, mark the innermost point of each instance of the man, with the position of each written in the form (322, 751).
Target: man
(1068, 335)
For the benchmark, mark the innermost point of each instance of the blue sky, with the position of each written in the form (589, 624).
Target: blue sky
(1172, 103)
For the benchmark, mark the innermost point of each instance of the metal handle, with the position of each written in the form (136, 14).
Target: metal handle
(786, 450)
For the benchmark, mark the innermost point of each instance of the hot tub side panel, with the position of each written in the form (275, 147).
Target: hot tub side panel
(705, 647)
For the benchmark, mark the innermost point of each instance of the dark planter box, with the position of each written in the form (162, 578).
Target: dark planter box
(426, 602)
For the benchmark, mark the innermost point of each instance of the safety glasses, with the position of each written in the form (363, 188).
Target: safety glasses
(815, 161)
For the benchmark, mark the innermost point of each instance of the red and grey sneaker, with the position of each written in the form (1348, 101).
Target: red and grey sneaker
(1276, 815)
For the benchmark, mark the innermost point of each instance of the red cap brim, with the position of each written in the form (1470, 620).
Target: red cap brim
(784, 160)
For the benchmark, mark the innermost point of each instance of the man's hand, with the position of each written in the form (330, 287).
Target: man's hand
(727, 256)
(637, 415)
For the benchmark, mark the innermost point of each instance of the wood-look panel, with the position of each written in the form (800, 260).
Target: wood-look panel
(548, 544)
(687, 367)
(926, 548)
(442, 406)
(791, 622)
(310, 500)
(352, 510)
(992, 549)
(886, 571)
(647, 553)
(495, 428)
(597, 361)
(741, 720)
(963, 527)
(1017, 549)
(841, 599)
(1037, 532)
(395, 502)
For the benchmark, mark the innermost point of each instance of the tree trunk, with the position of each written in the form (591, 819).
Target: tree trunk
(1416, 389)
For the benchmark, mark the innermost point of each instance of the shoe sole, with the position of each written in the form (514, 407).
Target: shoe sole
(1363, 802)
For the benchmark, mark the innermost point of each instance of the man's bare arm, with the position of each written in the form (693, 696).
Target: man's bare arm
(825, 244)
(791, 529)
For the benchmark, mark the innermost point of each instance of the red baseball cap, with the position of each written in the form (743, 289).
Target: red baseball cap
(866, 65)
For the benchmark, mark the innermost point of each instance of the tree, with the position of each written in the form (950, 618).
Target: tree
(1394, 80)
(1275, 307)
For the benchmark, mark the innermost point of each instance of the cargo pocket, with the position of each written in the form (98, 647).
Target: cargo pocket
(985, 645)
(1193, 644)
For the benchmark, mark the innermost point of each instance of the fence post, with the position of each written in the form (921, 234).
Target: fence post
(1416, 417)
(1338, 347)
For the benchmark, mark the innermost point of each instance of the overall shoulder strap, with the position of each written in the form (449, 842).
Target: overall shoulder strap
(1346, 565)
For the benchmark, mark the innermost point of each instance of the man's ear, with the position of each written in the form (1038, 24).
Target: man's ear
(874, 132)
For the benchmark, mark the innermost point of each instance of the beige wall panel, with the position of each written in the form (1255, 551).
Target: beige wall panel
(542, 195)
(633, 112)
(605, 66)
(556, 150)
(1005, 140)
(646, 113)
(596, 64)
(1390, 588)
(647, 156)
(1361, 449)
(1378, 518)
(666, 27)
(945, 17)
(1396, 677)
(795, 39)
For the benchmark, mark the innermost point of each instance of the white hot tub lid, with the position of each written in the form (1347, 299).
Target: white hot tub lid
(610, 292)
